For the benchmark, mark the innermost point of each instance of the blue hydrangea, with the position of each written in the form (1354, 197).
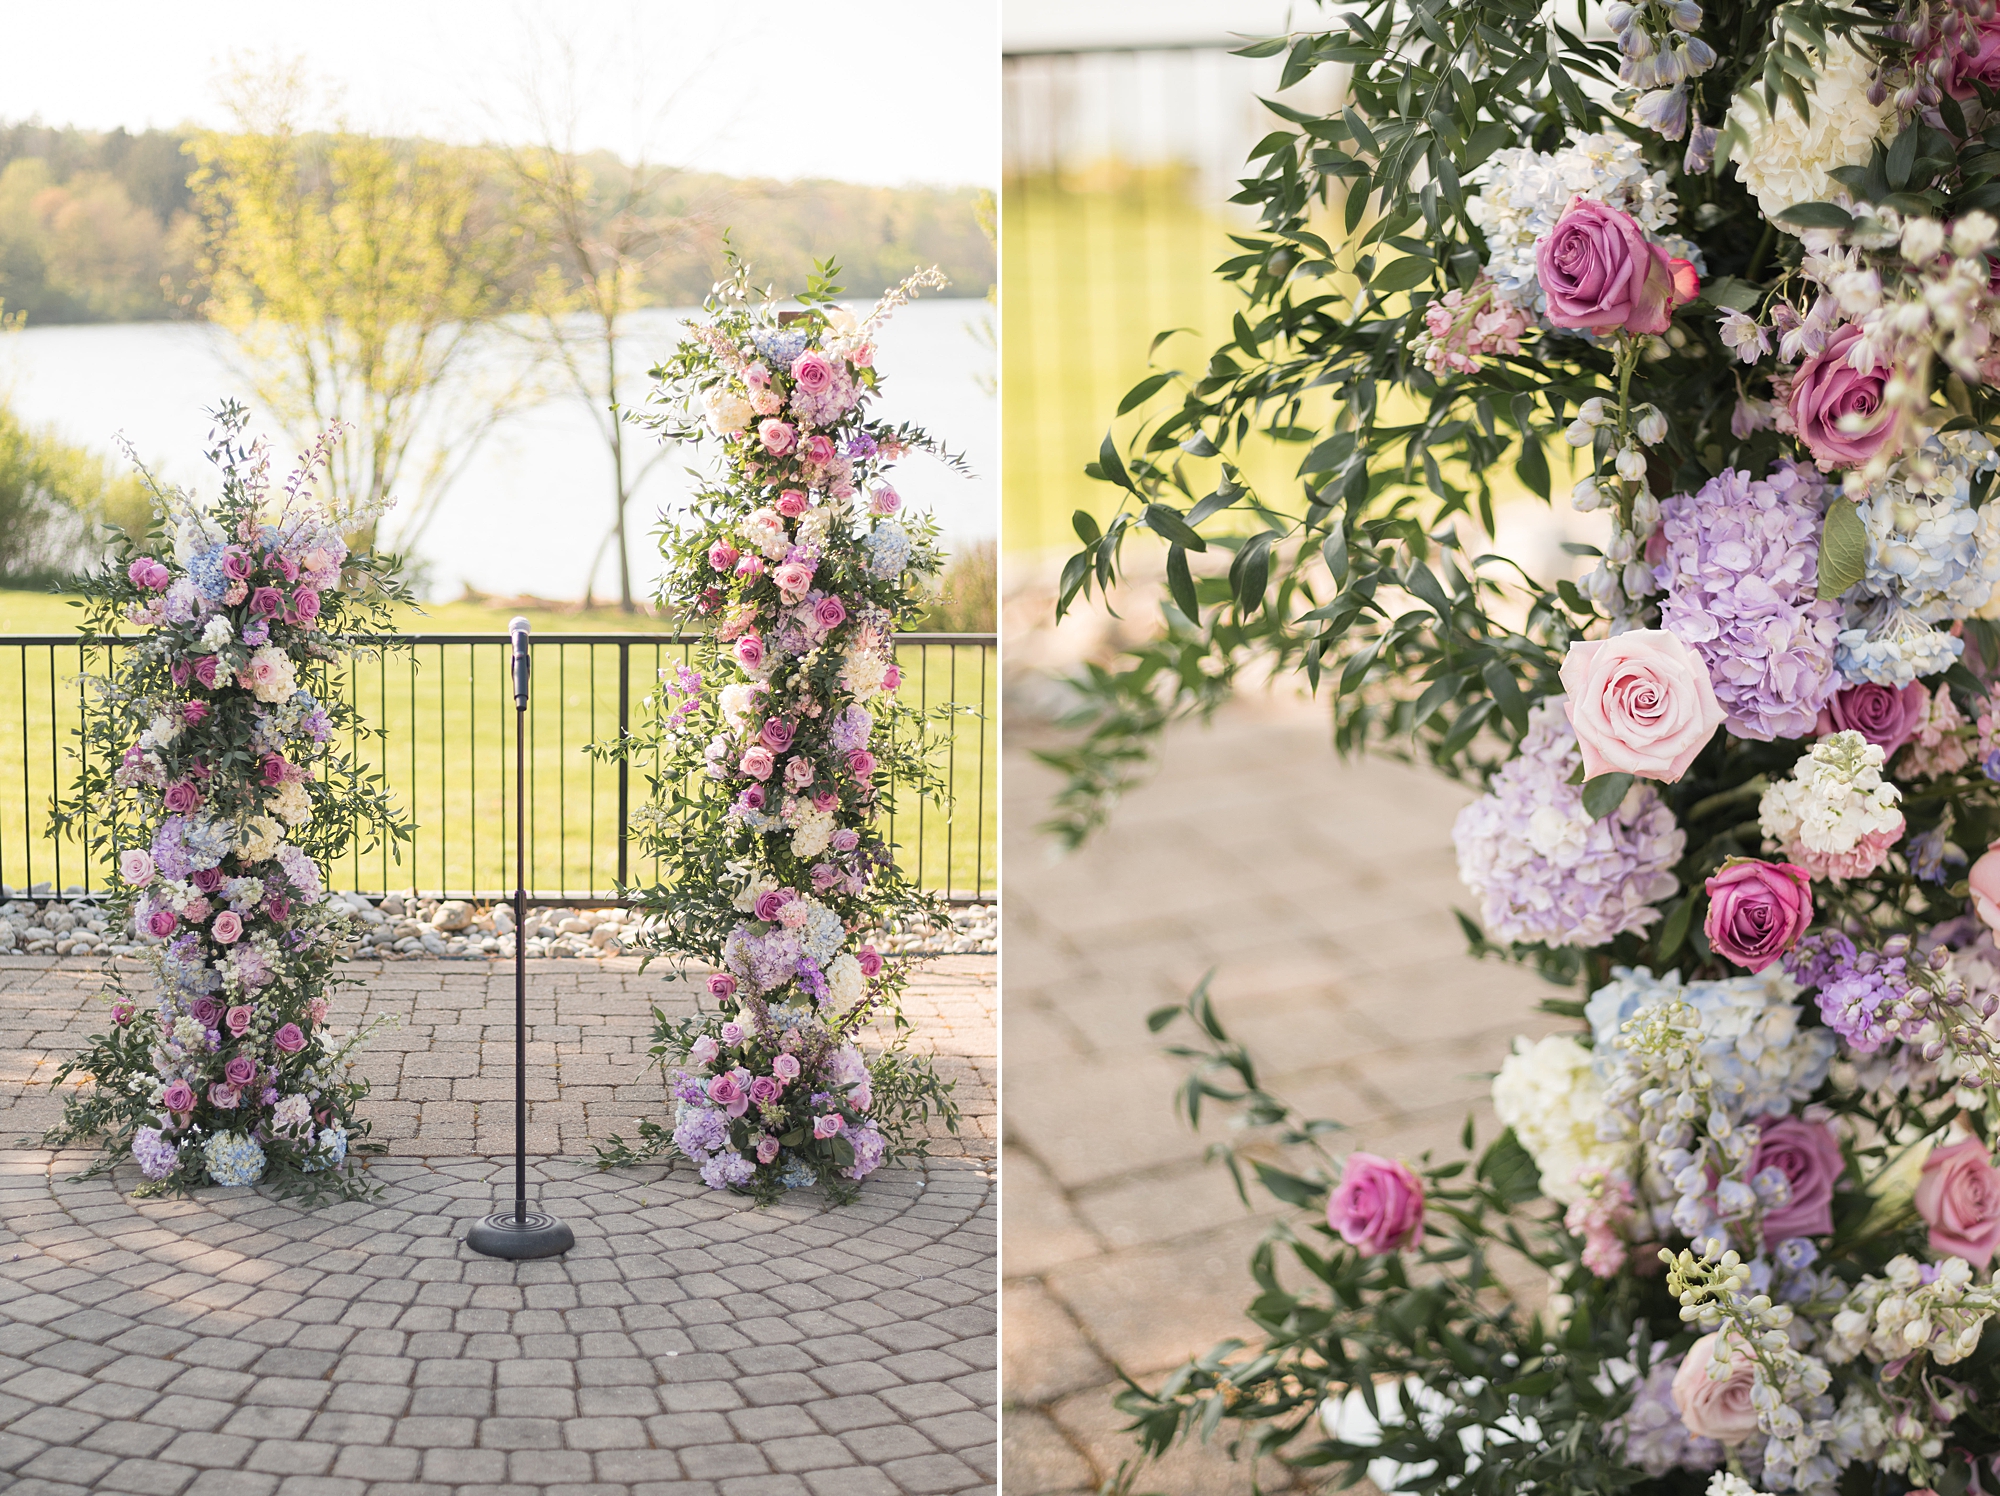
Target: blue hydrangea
(798, 1175)
(155, 1156)
(1888, 645)
(205, 842)
(726, 1169)
(233, 1158)
(329, 1151)
(205, 568)
(780, 346)
(1928, 547)
(888, 550)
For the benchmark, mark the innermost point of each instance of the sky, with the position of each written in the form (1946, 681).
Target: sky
(879, 91)
(1051, 25)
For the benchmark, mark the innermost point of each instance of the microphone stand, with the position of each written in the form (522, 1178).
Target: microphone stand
(521, 1233)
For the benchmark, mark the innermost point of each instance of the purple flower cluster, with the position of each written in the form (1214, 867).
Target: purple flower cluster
(1542, 869)
(1857, 990)
(1741, 573)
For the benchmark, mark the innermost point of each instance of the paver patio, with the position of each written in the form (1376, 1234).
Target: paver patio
(1320, 892)
(690, 1343)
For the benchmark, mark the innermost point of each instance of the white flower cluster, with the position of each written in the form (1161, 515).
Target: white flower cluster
(1889, 1317)
(1550, 1093)
(1928, 548)
(1784, 160)
(1835, 803)
(1523, 192)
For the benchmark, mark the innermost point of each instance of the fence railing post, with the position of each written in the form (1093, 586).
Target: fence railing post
(624, 764)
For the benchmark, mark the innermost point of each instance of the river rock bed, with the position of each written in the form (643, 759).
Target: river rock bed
(405, 927)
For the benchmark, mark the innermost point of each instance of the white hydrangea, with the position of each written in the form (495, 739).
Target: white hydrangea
(845, 984)
(1835, 799)
(291, 804)
(812, 828)
(1783, 160)
(161, 731)
(728, 411)
(258, 840)
(738, 699)
(216, 633)
(764, 531)
(1550, 1093)
(864, 672)
(1521, 194)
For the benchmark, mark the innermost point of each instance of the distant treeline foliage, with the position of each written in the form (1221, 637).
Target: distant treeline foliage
(102, 227)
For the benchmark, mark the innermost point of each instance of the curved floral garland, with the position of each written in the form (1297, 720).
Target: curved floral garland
(780, 751)
(226, 799)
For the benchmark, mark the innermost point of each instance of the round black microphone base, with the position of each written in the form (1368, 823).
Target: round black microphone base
(538, 1234)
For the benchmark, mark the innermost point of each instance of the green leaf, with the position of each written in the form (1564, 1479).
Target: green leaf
(1163, 520)
(1508, 1169)
(1401, 275)
(1144, 390)
(1287, 1187)
(1674, 931)
(1533, 466)
(1085, 525)
(1902, 155)
(1816, 216)
(1604, 794)
(1334, 550)
(1180, 582)
(1113, 469)
(1843, 549)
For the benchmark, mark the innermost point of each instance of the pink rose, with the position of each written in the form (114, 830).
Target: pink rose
(722, 555)
(162, 922)
(182, 797)
(122, 1011)
(224, 1097)
(786, 1067)
(289, 1039)
(829, 1126)
(892, 677)
(846, 839)
(767, 1149)
(1888, 717)
(194, 712)
(862, 356)
(776, 734)
(305, 605)
(1757, 910)
(1958, 1195)
(236, 563)
(798, 773)
(861, 763)
(750, 651)
(1807, 1154)
(1640, 703)
(792, 503)
(704, 1050)
(777, 436)
(205, 1011)
(757, 377)
(732, 1033)
(149, 574)
(752, 797)
(1378, 1205)
(1837, 410)
(721, 985)
(136, 867)
(824, 799)
(724, 1091)
(812, 373)
(179, 1097)
(267, 602)
(869, 959)
(1601, 273)
(1963, 69)
(830, 613)
(238, 1018)
(240, 1071)
(1718, 1409)
(757, 762)
(1985, 887)
(228, 927)
(793, 578)
(750, 568)
(819, 450)
(764, 1090)
(204, 671)
(771, 903)
(884, 500)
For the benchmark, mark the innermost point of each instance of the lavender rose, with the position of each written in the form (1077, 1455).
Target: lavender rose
(179, 1097)
(1958, 1196)
(1963, 69)
(829, 1126)
(1641, 703)
(1836, 409)
(776, 734)
(1600, 272)
(1378, 1205)
(1887, 716)
(240, 1071)
(289, 1039)
(830, 613)
(1718, 1408)
(1757, 910)
(1809, 1158)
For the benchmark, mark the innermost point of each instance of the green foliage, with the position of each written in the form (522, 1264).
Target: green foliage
(58, 504)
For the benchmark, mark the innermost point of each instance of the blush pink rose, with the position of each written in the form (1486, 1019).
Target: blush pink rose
(1808, 1155)
(1600, 272)
(785, 1067)
(1640, 703)
(812, 373)
(228, 927)
(793, 578)
(732, 1033)
(884, 500)
(1984, 880)
(238, 1018)
(1829, 395)
(149, 574)
(1718, 1409)
(289, 1039)
(1885, 715)
(136, 867)
(750, 568)
(1378, 1206)
(1958, 1195)
(829, 1126)
(791, 503)
(777, 437)
(179, 1097)
(767, 1149)
(757, 762)
(1757, 910)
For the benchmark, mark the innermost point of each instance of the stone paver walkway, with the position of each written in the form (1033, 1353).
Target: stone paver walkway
(1320, 892)
(690, 1344)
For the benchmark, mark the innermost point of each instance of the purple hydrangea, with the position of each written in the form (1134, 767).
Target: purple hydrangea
(700, 1131)
(1542, 869)
(725, 1169)
(767, 962)
(1741, 573)
(300, 870)
(169, 853)
(870, 1148)
(851, 729)
(155, 1156)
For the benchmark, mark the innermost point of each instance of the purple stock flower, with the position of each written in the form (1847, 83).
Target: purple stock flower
(1857, 990)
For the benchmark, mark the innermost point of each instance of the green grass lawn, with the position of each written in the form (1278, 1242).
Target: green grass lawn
(448, 755)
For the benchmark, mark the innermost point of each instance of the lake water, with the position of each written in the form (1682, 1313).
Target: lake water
(533, 504)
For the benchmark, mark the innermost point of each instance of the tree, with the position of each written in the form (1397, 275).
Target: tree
(361, 276)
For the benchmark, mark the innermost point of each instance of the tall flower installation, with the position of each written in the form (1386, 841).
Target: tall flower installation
(780, 748)
(1739, 269)
(215, 786)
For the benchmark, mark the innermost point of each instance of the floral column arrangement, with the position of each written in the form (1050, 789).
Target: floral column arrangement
(215, 787)
(781, 747)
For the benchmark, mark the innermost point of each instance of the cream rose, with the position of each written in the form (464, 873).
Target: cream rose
(1641, 703)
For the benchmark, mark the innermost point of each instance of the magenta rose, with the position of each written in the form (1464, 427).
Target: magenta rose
(1885, 715)
(1715, 1408)
(825, 799)
(1963, 69)
(267, 602)
(161, 922)
(1600, 272)
(757, 762)
(767, 1149)
(777, 437)
(1837, 410)
(193, 712)
(182, 797)
(812, 373)
(829, 1126)
(1958, 1195)
(228, 927)
(238, 1018)
(722, 555)
(1378, 1206)
(240, 1071)
(721, 985)
(204, 671)
(892, 677)
(1640, 703)
(276, 770)
(750, 651)
(122, 1011)
(861, 763)
(278, 907)
(305, 605)
(1757, 910)
(791, 503)
(776, 734)
(764, 1090)
(205, 1011)
(179, 1097)
(224, 1097)
(1807, 1154)
(869, 959)
(830, 613)
(289, 1039)
(771, 903)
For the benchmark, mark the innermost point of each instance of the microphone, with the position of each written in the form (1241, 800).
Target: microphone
(517, 634)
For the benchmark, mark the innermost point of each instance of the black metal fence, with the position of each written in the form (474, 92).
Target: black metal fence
(443, 706)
